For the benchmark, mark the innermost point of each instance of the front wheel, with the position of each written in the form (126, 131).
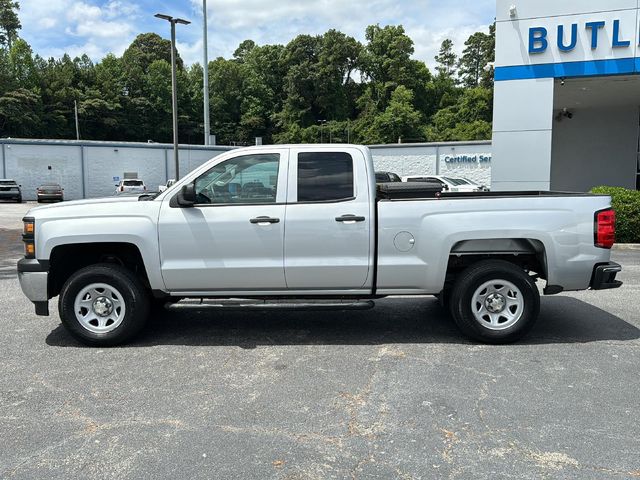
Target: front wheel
(495, 301)
(103, 305)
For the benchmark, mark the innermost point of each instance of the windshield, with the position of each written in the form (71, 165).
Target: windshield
(7, 182)
(132, 183)
(454, 181)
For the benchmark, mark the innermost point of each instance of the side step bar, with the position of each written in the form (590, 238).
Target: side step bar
(243, 304)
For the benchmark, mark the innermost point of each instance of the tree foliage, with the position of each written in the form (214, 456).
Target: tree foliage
(328, 86)
(9, 22)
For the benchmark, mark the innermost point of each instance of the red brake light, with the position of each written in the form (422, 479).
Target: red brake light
(605, 228)
(122, 189)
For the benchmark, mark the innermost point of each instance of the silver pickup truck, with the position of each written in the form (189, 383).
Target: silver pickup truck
(306, 226)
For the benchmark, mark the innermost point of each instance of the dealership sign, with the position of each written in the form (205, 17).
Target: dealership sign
(467, 159)
(566, 36)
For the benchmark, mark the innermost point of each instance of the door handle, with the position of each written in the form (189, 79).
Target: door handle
(350, 219)
(264, 220)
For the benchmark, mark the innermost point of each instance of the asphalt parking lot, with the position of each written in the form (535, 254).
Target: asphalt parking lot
(394, 392)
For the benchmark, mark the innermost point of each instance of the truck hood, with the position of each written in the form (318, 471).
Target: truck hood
(89, 201)
(94, 207)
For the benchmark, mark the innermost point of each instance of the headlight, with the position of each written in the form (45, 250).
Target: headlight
(28, 237)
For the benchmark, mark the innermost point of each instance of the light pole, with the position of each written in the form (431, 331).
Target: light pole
(321, 122)
(205, 82)
(174, 84)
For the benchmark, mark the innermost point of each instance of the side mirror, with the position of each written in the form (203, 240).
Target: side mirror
(187, 195)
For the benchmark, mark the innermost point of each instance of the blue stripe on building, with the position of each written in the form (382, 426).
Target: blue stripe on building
(592, 68)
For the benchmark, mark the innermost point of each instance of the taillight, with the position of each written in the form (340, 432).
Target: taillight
(605, 228)
(145, 188)
(122, 189)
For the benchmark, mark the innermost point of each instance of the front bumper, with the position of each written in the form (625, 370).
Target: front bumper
(604, 276)
(34, 276)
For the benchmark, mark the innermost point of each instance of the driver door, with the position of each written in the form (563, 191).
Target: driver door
(232, 239)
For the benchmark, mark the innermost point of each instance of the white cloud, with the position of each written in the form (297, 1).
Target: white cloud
(427, 42)
(101, 26)
(427, 22)
(75, 27)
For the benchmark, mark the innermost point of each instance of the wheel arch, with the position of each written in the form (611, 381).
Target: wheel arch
(67, 259)
(527, 253)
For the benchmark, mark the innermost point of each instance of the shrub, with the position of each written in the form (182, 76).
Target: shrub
(627, 206)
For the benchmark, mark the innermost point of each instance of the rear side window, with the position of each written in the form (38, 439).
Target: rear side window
(325, 176)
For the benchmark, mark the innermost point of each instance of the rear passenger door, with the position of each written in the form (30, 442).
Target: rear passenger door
(328, 220)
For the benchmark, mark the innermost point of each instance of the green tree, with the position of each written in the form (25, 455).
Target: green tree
(20, 113)
(22, 65)
(399, 120)
(468, 119)
(474, 65)
(243, 50)
(386, 63)
(9, 22)
(446, 59)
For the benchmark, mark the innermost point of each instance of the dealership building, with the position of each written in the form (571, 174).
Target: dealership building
(567, 95)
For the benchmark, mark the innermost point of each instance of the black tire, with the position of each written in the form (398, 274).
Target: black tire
(19, 200)
(444, 299)
(517, 322)
(135, 299)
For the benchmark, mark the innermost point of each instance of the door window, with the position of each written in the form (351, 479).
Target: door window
(248, 179)
(325, 176)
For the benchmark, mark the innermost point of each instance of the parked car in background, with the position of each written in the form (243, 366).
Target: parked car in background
(131, 186)
(50, 192)
(387, 177)
(482, 188)
(448, 184)
(10, 190)
(169, 184)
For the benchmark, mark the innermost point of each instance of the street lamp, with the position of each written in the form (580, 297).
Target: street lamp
(174, 83)
(321, 122)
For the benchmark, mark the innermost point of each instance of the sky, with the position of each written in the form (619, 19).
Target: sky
(97, 27)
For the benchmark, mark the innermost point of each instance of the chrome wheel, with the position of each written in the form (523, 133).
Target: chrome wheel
(99, 308)
(497, 304)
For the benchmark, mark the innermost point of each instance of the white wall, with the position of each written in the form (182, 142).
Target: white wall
(522, 133)
(29, 166)
(598, 146)
(87, 169)
(457, 159)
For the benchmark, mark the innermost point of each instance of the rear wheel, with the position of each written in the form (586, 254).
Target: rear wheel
(103, 305)
(494, 301)
(19, 199)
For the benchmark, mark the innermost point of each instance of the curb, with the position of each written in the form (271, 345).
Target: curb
(626, 246)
